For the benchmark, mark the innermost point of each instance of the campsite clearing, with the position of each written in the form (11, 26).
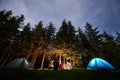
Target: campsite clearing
(77, 74)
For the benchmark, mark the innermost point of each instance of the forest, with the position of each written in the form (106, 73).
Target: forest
(18, 38)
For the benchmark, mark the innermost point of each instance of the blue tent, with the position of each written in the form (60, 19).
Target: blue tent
(98, 63)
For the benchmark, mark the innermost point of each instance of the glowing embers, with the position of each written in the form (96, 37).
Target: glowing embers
(98, 63)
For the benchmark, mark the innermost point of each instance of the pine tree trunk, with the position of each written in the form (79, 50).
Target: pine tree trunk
(60, 58)
(33, 60)
(28, 55)
(44, 52)
(5, 60)
(11, 57)
(2, 58)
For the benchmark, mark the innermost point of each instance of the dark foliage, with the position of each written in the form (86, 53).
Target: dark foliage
(27, 40)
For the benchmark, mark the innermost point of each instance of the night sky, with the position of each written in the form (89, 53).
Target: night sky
(102, 13)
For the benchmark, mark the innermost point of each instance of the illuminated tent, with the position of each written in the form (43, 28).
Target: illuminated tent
(18, 63)
(101, 64)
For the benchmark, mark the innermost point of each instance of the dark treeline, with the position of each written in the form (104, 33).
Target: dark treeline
(28, 40)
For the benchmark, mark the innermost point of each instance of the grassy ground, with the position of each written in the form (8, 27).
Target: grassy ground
(77, 74)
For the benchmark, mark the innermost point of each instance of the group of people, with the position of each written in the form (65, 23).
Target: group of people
(60, 66)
